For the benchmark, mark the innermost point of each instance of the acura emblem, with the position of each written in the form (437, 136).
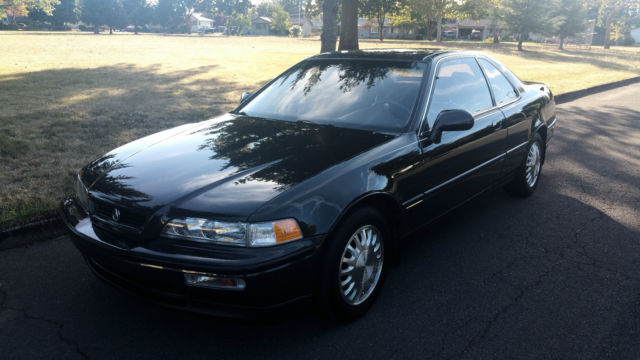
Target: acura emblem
(116, 214)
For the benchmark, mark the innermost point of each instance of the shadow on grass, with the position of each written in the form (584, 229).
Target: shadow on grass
(54, 121)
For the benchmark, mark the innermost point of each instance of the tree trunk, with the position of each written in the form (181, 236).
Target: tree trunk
(520, 42)
(96, 29)
(135, 29)
(439, 29)
(349, 27)
(561, 47)
(607, 32)
(110, 30)
(329, 26)
(380, 27)
(495, 37)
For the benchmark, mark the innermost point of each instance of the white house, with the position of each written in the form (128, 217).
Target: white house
(635, 34)
(309, 26)
(199, 23)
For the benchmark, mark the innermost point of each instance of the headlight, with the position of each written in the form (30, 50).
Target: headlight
(82, 194)
(230, 233)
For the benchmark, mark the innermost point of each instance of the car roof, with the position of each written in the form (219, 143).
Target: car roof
(390, 54)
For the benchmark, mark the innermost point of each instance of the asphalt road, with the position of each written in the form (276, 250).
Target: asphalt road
(553, 276)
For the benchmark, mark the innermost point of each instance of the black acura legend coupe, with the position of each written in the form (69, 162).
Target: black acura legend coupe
(306, 188)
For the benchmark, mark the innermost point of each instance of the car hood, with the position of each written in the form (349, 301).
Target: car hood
(226, 167)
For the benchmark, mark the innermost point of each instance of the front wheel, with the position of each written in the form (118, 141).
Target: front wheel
(356, 267)
(528, 174)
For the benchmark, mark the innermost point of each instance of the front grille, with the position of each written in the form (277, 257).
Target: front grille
(104, 210)
(121, 240)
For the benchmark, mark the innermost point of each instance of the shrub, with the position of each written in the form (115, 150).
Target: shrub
(295, 31)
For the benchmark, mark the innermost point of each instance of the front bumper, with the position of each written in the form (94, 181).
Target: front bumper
(156, 268)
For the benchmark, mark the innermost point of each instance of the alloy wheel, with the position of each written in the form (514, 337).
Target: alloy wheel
(361, 265)
(533, 164)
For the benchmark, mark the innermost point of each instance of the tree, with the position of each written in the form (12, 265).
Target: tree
(166, 14)
(102, 12)
(484, 9)
(571, 18)
(290, 6)
(526, 16)
(66, 12)
(38, 15)
(228, 7)
(349, 25)
(329, 34)
(17, 8)
(267, 8)
(496, 18)
(239, 22)
(422, 13)
(280, 20)
(138, 13)
(380, 10)
(616, 12)
(188, 8)
(442, 9)
(312, 8)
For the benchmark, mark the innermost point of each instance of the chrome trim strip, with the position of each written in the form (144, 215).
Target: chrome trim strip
(517, 147)
(419, 196)
(463, 174)
(449, 182)
(555, 119)
(415, 203)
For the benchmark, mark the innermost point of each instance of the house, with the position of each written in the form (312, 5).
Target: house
(466, 26)
(199, 23)
(368, 29)
(309, 26)
(260, 25)
(635, 34)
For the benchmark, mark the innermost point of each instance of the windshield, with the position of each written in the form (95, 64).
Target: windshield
(372, 95)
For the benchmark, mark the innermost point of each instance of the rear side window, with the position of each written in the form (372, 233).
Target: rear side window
(502, 89)
(459, 85)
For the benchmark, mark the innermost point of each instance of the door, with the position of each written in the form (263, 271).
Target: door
(465, 162)
(516, 122)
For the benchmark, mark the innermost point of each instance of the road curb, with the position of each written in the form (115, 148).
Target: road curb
(574, 95)
(52, 227)
(40, 230)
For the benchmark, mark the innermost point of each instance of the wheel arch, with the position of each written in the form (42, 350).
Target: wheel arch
(381, 201)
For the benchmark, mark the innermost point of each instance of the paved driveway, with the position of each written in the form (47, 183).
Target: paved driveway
(553, 276)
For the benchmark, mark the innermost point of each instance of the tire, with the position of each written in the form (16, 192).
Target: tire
(528, 173)
(353, 275)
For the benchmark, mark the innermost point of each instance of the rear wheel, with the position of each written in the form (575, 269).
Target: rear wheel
(528, 174)
(356, 267)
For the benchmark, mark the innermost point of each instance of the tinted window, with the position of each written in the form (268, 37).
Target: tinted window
(502, 89)
(373, 95)
(460, 85)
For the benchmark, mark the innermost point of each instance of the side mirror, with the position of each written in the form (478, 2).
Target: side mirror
(450, 120)
(244, 96)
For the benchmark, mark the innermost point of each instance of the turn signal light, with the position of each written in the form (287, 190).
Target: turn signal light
(286, 230)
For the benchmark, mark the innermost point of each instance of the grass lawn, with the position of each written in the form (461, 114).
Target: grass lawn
(66, 98)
